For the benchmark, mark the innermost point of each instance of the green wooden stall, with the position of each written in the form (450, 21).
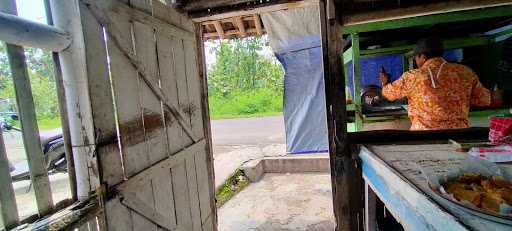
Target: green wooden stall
(488, 41)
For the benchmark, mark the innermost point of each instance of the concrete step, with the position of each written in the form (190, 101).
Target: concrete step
(303, 163)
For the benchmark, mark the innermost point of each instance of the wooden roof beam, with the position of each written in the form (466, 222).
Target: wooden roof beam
(219, 29)
(426, 15)
(240, 25)
(257, 24)
(253, 9)
(229, 33)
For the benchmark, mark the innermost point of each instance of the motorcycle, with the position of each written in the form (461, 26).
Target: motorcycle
(52, 144)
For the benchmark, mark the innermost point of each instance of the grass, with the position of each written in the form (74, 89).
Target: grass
(233, 185)
(44, 123)
(49, 123)
(260, 102)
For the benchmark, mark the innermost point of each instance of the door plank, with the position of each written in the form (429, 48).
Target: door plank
(194, 87)
(181, 79)
(203, 184)
(141, 178)
(167, 14)
(181, 196)
(163, 193)
(128, 103)
(208, 224)
(168, 83)
(142, 200)
(93, 225)
(192, 190)
(101, 99)
(142, 5)
(154, 131)
(141, 206)
(118, 216)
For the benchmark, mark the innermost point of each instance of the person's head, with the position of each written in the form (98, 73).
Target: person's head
(426, 49)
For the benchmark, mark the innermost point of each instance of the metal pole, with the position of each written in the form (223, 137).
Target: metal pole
(23, 32)
(25, 101)
(61, 95)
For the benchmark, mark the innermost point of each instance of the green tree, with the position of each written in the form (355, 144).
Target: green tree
(243, 81)
(239, 66)
(42, 80)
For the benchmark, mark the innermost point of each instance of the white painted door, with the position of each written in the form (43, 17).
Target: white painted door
(149, 116)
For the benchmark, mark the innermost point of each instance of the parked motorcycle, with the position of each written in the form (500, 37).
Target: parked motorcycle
(52, 144)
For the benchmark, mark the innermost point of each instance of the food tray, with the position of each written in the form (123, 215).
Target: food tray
(473, 165)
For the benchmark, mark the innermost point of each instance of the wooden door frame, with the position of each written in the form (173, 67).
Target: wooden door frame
(201, 60)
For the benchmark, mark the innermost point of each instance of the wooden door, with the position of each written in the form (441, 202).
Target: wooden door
(150, 116)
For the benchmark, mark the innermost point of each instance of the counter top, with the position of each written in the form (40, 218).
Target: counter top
(393, 172)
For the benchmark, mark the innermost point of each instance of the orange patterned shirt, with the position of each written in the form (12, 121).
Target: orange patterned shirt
(439, 94)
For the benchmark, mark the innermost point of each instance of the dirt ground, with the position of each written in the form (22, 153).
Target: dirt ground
(280, 202)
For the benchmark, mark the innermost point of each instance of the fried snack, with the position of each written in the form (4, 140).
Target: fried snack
(506, 194)
(491, 202)
(471, 178)
(463, 192)
(483, 192)
(501, 182)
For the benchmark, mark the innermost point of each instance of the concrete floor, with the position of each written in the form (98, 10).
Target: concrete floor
(236, 141)
(24, 193)
(280, 202)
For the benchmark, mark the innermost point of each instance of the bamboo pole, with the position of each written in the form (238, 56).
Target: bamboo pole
(8, 205)
(61, 95)
(25, 101)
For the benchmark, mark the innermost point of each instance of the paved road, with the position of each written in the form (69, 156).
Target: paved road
(248, 131)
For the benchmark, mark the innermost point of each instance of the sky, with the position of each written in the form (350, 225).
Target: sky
(34, 10)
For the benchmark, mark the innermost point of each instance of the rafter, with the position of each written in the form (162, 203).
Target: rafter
(240, 25)
(257, 24)
(219, 29)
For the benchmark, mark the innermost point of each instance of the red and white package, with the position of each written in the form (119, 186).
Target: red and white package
(502, 153)
(500, 130)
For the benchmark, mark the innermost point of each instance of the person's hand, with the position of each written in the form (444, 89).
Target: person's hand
(384, 78)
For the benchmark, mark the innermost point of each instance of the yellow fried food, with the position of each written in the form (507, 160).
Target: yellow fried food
(471, 178)
(464, 192)
(491, 202)
(483, 192)
(501, 182)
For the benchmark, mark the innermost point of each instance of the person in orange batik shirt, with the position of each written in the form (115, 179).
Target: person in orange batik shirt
(439, 93)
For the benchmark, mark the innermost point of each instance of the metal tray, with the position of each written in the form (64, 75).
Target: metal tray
(504, 219)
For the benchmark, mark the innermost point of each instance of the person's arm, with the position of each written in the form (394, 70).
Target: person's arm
(399, 88)
(480, 96)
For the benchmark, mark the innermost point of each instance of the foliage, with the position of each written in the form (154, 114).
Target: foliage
(259, 102)
(243, 81)
(233, 185)
(42, 80)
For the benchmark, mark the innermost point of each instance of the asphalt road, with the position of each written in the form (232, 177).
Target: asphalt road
(258, 131)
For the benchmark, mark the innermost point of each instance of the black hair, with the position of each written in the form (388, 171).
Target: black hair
(430, 47)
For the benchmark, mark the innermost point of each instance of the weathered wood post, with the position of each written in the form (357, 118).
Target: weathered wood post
(25, 101)
(8, 207)
(63, 110)
(345, 171)
(66, 16)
